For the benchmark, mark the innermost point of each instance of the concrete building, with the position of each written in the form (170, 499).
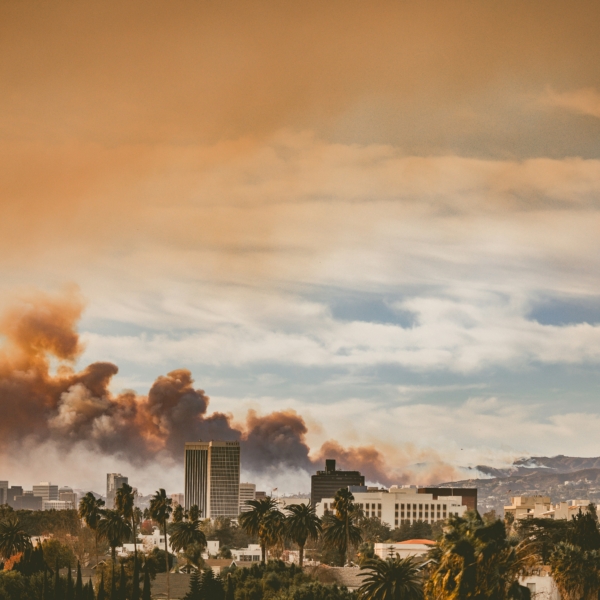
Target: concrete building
(27, 501)
(212, 478)
(46, 491)
(468, 495)
(66, 494)
(247, 493)
(260, 495)
(113, 482)
(540, 507)
(3, 492)
(403, 549)
(13, 492)
(57, 505)
(177, 500)
(541, 585)
(326, 483)
(250, 554)
(400, 505)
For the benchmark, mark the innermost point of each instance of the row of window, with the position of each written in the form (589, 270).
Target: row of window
(414, 506)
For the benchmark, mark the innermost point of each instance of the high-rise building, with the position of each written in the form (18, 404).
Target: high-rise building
(326, 483)
(3, 492)
(113, 482)
(247, 492)
(66, 494)
(13, 492)
(212, 478)
(46, 491)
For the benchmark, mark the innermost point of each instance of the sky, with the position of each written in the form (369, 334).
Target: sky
(383, 216)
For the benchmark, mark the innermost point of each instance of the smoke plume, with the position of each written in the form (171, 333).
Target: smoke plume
(65, 407)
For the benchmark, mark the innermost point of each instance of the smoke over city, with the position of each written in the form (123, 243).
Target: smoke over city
(43, 399)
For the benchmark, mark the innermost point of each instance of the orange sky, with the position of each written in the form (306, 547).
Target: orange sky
(247, 189)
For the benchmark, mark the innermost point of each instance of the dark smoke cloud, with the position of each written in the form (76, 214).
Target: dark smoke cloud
(69, 407)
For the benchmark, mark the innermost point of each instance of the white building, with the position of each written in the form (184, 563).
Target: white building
(403, 549)
(250, 554)
(397, 506)
(285, 501)
(147, 543)
(541, 586)
(540, 507)
(57, 505)
(247, 493)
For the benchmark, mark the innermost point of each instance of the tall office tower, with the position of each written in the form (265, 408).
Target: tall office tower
(113, 482)
(3, 492)
(326, 483)
(46, 491)
(212, 478)
(247, 492)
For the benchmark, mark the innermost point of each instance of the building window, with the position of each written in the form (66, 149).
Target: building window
(420, 507)
(396, 507)
(420, 517)
(402, 515)
(444, 507)
(379, 507)
(402, 506)
(379, 514)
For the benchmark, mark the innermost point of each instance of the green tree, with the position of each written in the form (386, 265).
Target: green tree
(391, 579)
(260, 522)
(186, 533)
(160, 511)
(113, 528)
(340, 530)
(302, 524)
(146, 589)
(195, 591)
(54, 550)
(13, 538)
(477, 561)
(79, 584)
(125, 505)
(90, 510)
(576, 572)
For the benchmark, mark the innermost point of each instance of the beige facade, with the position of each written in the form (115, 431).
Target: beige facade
(397, 506)
(540, 507)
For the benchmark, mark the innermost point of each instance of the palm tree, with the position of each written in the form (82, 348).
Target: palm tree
(90, 510)
(125, 504)
(340, 530)
(391, 579)
(160, 511)
(178, 514)
(13, 538)
(576, 572)
(476, 560)
(187, 532)
(301, 524)
(113, 528)
(259, 521)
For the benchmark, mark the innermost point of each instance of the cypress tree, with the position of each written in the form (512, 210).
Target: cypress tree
(101, 594)
(123, 584)
(195, 591)
(113, 585)
(45, 595)
(79, 584)
(230, 595)
(135, 592)
(70, 595)
(57, 586)
(146, 591)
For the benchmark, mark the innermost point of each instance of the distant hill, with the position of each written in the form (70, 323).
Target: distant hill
(560, 477)
(554, 464)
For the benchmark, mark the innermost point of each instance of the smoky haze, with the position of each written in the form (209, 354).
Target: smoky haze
(43, 403)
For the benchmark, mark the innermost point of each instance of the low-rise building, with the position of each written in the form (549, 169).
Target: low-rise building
(403, 549)
(250, 554)
(57, 505)
(540, 507)
(400, 505)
